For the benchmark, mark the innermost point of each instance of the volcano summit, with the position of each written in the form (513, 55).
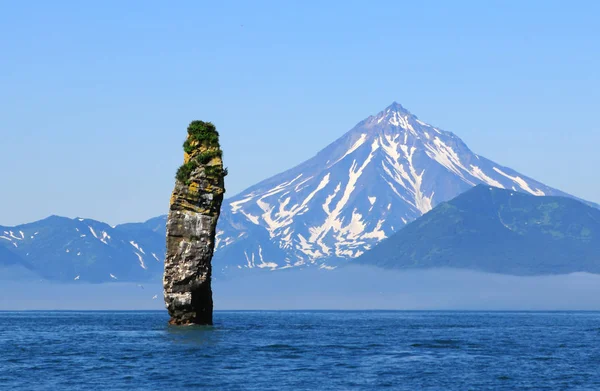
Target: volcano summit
(387, 171)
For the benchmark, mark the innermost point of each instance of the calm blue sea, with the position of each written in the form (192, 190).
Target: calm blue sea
(301, 350)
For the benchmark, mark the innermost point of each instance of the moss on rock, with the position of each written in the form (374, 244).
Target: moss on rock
(203, 153)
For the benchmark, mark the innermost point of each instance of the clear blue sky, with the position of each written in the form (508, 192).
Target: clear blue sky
(95, 97)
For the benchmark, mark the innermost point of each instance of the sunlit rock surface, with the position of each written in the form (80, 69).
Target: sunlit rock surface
(193, 215)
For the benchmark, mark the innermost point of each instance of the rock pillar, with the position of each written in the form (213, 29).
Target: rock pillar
(193, 214)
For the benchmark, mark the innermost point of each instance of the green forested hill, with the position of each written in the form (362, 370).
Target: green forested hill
(500, 231)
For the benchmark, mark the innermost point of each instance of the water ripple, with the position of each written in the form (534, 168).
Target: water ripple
(300, 351)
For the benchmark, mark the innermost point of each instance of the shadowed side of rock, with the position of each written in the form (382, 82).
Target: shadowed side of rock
(194, 211)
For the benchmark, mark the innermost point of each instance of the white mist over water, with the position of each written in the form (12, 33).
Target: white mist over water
(349, 288)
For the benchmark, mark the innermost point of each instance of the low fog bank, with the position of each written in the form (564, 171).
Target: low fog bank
(361, 287)
(349, 288)
(40, 295)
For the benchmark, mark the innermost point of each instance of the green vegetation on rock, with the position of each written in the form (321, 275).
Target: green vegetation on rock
(202, 146)
(215, 171)
(204, 133)
(184, 172)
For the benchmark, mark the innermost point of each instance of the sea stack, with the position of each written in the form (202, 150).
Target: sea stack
(193, 215)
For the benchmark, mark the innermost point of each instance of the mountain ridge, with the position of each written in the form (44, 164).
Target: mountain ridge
(411, 165)
(388, 170)
(499, 231)
(63, 249)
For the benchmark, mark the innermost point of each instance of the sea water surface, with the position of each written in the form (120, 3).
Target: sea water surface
(301, 350)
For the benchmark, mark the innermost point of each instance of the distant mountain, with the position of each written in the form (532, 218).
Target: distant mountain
(156, 226)
(387, 171)
(62, 249)
(8, 257)
(499, 231)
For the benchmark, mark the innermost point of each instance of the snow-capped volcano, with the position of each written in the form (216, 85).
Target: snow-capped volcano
(387, 171)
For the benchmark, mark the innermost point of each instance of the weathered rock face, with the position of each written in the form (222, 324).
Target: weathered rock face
(195, 208)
